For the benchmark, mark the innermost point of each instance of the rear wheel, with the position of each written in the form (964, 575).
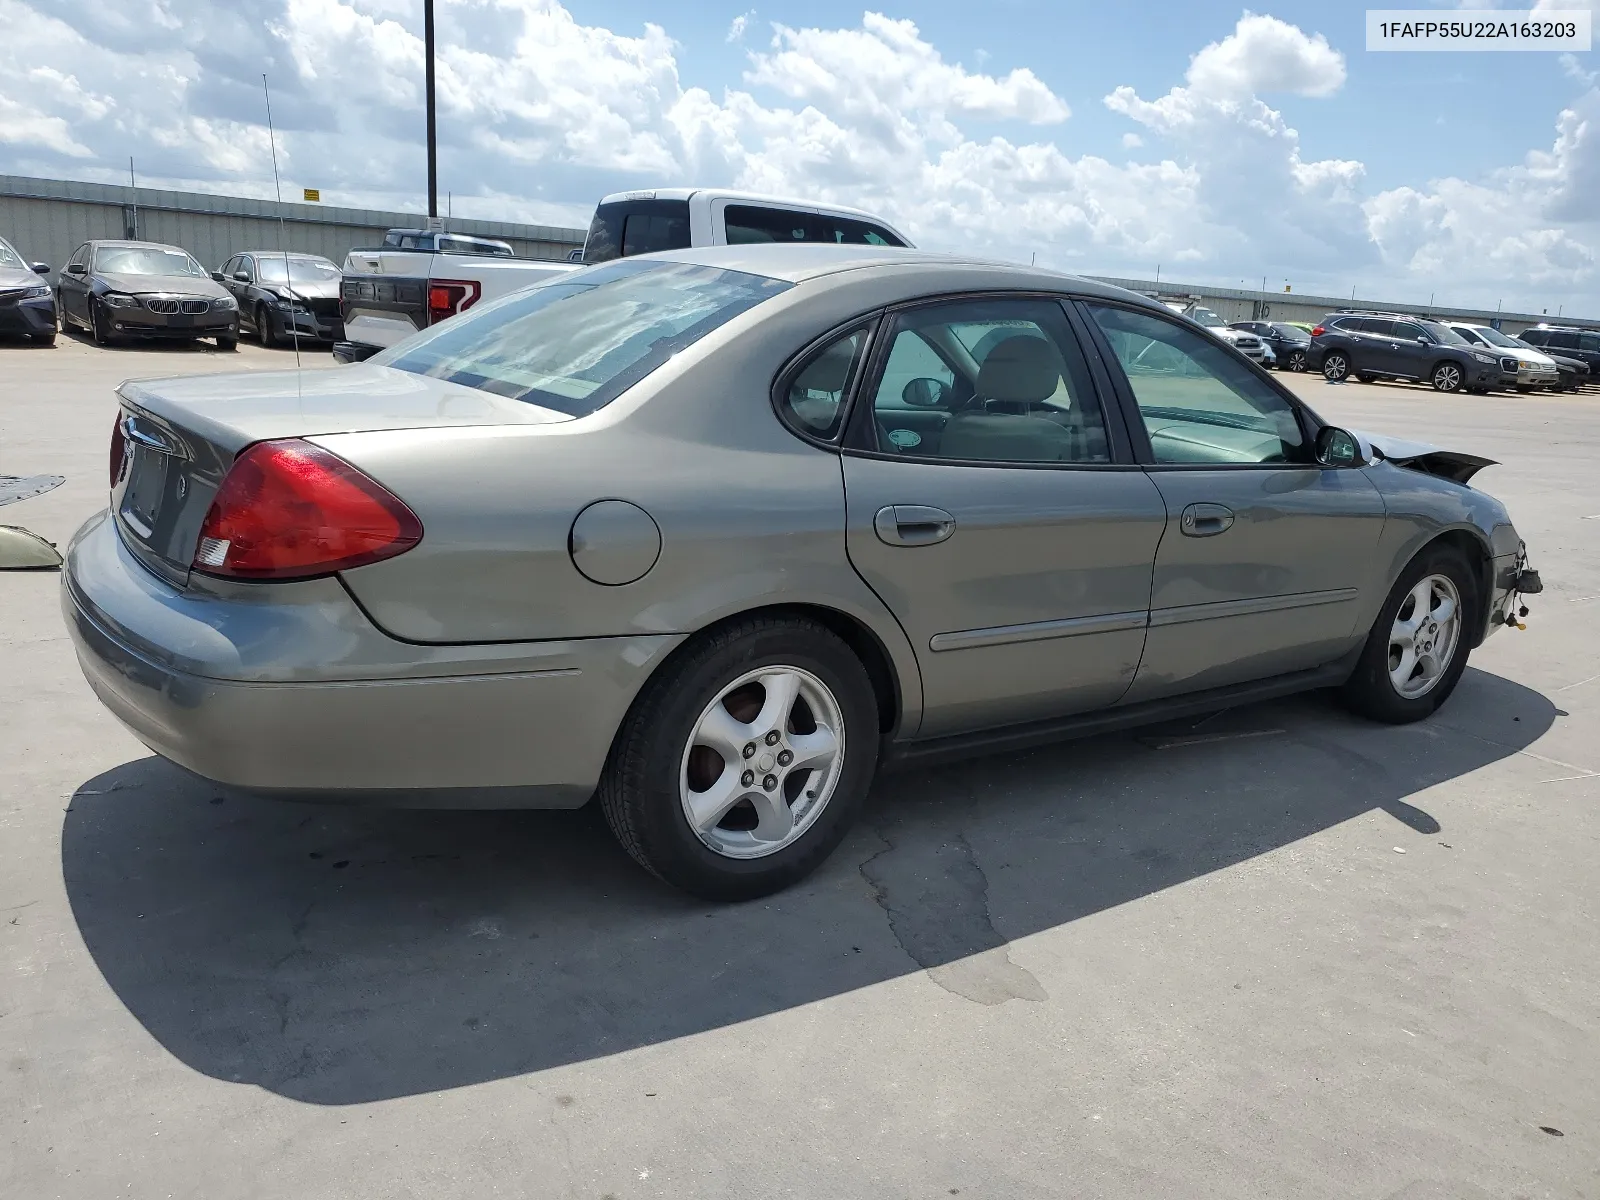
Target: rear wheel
(1365, 378)
(1418, 646)
(1336, 366)
(744, 762)
(1447, 377)
(1297, 360)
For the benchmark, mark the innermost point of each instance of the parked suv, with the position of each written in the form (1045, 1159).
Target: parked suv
(1289, 343)
(1567, 341)
(1394, 346)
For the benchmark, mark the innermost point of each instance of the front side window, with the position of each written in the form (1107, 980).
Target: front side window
(813, 400)
(1561, 340)
(988, 381)
(145, 260)
(578, 342)
(1590, 342)
(8, 256)
(1198, 402)
(1406, 331)
(80, 256)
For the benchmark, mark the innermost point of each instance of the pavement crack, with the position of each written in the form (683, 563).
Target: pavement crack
(936, 895)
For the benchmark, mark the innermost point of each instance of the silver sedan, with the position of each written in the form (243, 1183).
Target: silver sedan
(715, 535)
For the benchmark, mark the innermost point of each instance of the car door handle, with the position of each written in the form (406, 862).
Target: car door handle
(1205, 520)
(913, 525)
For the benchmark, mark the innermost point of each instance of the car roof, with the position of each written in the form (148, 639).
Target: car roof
(731, 194)
(133, 245)
(803, 261)
(281, 254)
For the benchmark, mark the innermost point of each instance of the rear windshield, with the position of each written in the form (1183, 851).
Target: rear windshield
(578, 342)
(627, 227)
(1293, 332)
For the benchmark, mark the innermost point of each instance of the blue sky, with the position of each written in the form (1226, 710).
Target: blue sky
(1225, 143)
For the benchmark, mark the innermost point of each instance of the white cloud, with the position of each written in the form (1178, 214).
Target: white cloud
(540, 114)
(739, 24)
(1264, 54)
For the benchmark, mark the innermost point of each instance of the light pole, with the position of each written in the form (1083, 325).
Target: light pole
(433, 142)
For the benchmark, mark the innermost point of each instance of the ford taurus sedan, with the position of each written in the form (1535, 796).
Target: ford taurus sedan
(713, 535)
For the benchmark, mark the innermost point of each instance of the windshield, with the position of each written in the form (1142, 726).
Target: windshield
(8, 256)
(1443, 333)
(1495, 338)
(301, 270)
(145, 260)
(577, 343)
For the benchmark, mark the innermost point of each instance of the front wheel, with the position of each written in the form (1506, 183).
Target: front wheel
(97, 325)
(1336, 367)
(744, 762)
(264, 327)
(1418, 646)
(229, 340)
(1447, 377)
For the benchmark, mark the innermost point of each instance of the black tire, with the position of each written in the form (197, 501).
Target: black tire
(1297, 360)
(1369, 690)
(97, 328)
(1524, 388)
(1447, 377)
(1336, 366)
(639, 791)
(45, 339)
(264, 328)
(229, 340)
(1363, 377)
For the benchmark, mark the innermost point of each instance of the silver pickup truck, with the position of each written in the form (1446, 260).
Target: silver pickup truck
(418, 278)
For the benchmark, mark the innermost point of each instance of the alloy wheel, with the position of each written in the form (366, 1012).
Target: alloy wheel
(1447, 378)
(1336, 366)
(762, 762)
(1423, 638)
(1297, 361)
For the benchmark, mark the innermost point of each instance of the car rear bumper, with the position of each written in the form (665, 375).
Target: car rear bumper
(304, 696)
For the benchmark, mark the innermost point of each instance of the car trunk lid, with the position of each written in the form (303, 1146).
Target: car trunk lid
(179, 437)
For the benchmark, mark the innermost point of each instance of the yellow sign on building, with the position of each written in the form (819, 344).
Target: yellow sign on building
(313, 194)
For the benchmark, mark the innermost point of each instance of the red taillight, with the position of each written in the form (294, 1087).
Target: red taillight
(447, 297)
(291, 510)
(119, 451)
(1319, 331)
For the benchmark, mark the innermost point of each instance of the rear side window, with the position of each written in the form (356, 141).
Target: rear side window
(580, 341)
(1589, 341)
(813, 399)
(1378, 325)
(749, 224)
(1561, 340)
(642, 226)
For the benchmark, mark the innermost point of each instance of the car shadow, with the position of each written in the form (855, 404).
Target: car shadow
(339, 955)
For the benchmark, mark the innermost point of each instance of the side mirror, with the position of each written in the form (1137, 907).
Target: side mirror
(75, 268)
(924, 393)
(217, 275)
(1338, 448)
(242, 276)
(41, 268)
(1424, 341)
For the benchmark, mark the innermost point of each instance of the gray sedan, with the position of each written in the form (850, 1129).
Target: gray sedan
(715, 535)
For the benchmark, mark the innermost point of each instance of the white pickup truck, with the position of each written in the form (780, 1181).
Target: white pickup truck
(418, 278)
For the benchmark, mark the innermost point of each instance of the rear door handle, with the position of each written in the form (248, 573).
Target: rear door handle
(913, 525)
(1205, 520)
